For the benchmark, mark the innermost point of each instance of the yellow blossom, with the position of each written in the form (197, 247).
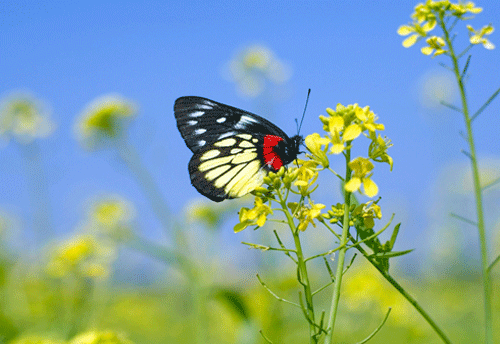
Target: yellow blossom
(81, 255)
(114, 216)
(361, 168)
(478, 37)
(255, 216)
(435, 44)
(314, 143)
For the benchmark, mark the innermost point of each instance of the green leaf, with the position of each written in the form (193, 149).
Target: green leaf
(390, 254)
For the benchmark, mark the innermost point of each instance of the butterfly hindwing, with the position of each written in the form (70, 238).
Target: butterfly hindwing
(231, 168)
(233, 149)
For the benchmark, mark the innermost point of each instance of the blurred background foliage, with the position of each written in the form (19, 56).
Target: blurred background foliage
(107, 281)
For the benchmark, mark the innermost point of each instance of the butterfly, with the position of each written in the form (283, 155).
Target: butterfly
(233, 150)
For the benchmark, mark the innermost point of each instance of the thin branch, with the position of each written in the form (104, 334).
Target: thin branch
(466, 220)
(350, 263)
(481, 109)
(490, 184)
(283, 246)
(330, 272)
(465, 51)
(377, 329)
(266, 248)
(497, 259)
(445, 66)
(467, 154)
(265, 338)
(451, 106)
(322, 288)
(276, 296)
(465, 68)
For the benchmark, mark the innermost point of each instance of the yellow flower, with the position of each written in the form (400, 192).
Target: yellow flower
(103, 121)
(25, 118)
(114, 216)
(81, 255)
(368, 212)
(435, 44)
(100, 337)
(478, 37)
(378, 150)
(255, 216)
(314, 144)
(307, 214)
(306, 176)
(255, 67)
(361, 168)
(462, 8)
(416, 31)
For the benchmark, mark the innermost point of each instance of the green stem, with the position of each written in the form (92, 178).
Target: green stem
(342, 252)
(303, 276)
(477, 190)
(39, 193)
(407, 296)
(132, 159)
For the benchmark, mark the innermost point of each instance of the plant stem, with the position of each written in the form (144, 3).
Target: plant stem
(301, 265)
(477, 190)
(342, 252)
(407, 296)
(179, 254)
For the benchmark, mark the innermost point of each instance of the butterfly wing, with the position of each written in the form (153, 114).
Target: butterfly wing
(233, 149)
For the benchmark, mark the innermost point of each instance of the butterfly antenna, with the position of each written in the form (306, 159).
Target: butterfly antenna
(304, 113)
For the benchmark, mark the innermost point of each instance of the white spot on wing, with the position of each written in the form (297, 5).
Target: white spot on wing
(199, 131)
(229, 133)
(203, 106)
(201, 143)
(221, 120)
(196, 113)
(192, 122)
(245, 120)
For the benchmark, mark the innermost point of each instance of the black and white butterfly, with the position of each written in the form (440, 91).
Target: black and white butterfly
(233, 149)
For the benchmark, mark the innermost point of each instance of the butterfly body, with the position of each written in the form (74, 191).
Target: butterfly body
(233, 150)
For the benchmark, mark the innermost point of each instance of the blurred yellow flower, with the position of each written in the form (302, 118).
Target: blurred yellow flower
(104, 120)
(365, 290)
(25, 118)
(477, 37)
(114, 216)
(81, 255)
(35, 339)
(254, 67)
(100, 337)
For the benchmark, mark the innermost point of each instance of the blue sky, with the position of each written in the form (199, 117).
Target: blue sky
(67, 54)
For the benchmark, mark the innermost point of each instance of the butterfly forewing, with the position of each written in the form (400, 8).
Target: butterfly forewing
(233, 149)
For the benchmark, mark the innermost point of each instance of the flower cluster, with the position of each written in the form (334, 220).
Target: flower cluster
(306, 213)
(343, 125)
(428, 15)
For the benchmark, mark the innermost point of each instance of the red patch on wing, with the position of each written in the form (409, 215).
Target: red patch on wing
(271, 159)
